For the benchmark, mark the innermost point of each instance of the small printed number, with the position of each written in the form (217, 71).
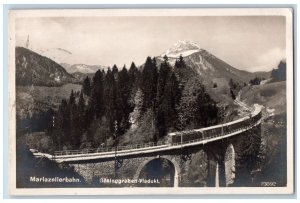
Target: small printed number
(268, 184)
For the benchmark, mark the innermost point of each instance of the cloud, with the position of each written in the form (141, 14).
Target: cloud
(270, 59)
(244, 42)
(64, 50)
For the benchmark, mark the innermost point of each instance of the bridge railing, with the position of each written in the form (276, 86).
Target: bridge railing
(137, 146)
(110, 149)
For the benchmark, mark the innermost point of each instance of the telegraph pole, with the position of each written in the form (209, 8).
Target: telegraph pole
(52, 132)
(153, 121)
(116, 162)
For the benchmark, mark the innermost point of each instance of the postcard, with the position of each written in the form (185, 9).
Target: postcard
(151, 101)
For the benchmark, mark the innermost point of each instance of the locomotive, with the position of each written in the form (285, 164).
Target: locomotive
(187, 136)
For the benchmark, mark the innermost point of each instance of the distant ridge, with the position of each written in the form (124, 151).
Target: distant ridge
(82, 68)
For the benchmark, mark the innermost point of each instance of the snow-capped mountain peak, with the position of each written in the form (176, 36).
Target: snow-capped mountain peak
(183, 48)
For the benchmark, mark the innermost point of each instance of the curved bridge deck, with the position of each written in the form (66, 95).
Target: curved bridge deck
(104, 153)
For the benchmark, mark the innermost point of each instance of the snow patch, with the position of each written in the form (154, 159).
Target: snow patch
(202, 63)
(258, 106)
(270, 111)
(263, 82)
(183, 53)
(184, 48)
(57, 78)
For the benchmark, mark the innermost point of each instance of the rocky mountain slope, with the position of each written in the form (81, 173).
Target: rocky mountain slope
(206, 64)
(214, 72)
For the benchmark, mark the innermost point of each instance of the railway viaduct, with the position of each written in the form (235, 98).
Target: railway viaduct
(224, 160)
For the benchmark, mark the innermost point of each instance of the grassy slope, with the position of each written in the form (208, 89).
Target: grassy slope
(40, 98)
(272, 95)
(273, 148)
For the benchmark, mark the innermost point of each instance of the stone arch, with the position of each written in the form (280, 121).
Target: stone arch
(174, 162)
(229, 162)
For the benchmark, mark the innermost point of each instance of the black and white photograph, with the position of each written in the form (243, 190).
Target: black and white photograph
(151, 101)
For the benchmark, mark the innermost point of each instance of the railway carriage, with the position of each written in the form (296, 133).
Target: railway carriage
(185, 136)
(214, 131)
(192, 135)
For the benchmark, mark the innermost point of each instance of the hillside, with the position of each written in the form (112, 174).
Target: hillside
(37, 99)
(270, 95)
(81, 76)
(35, 69)
(29, 166)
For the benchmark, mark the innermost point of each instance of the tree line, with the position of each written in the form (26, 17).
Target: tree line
(113, 100)
(279, 74)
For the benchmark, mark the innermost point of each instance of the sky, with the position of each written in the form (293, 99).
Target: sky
(252, 43)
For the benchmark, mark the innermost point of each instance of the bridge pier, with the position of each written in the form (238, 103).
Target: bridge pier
(213, 170)
(222, 173)
(217, 184)
(176, 179)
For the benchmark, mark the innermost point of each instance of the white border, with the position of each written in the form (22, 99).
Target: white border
(152, 12)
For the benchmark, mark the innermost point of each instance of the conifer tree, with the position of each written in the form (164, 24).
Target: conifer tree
(133, 74)
(72, 98)
(61, 131)
(165, 103)
(110, 98)
(96, 99)
(81, 113)
(168, 97)
(86, 87)
(164, 72)
(73, 118)
(180, 63)
(123, 108)
(196, 109)
(149, 83)
(115, 72)
(172, 96)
